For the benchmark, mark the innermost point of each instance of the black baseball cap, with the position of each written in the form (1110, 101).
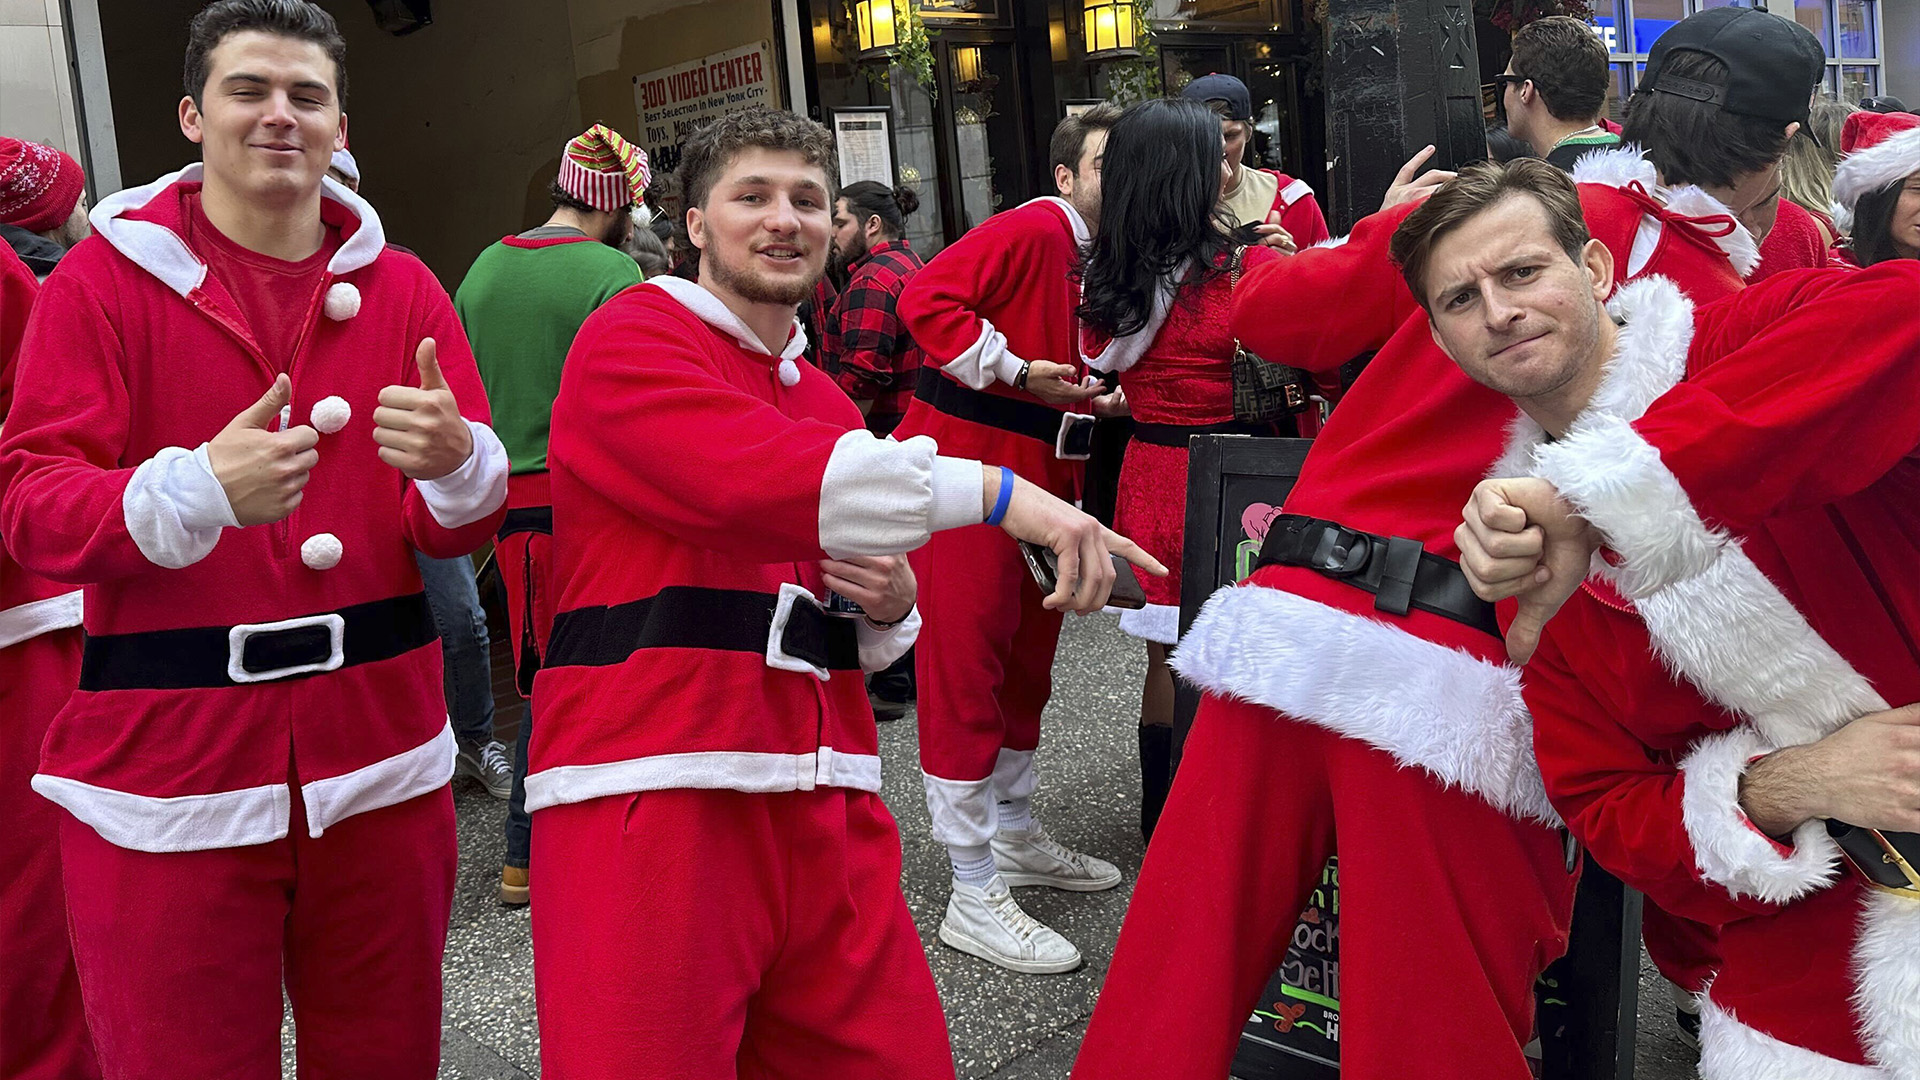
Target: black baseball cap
(1773, 63)
(1217, 87)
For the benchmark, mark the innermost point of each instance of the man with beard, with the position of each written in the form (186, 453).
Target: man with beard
(521, 304)
(868, 348)
(718, 880)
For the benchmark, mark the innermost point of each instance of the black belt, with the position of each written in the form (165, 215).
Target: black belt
(1029, 418)
(1888, 860)
(690, 617)
(527, 519)
(1398, 571)
(1176, 435)
(210, 656)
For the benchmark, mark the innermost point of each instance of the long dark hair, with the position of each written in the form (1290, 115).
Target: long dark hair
(1159, 190)
(1872, 238)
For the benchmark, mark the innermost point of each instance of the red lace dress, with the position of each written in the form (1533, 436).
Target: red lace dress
(1185, 378)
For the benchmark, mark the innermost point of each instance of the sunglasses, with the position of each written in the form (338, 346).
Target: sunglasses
(1504, 81)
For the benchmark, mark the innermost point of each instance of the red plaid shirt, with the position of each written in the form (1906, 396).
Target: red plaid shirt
(876, 359)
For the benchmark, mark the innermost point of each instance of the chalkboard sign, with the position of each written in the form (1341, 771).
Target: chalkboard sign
(1587, 1000)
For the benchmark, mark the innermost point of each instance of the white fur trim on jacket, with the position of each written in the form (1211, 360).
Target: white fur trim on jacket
(1729, 850)
(881, 497)
(222, 819)
(1718, 622)
(1456, 716)
(1123, 352)
(1730, 1050)
(174, 507)
(1882, 165)
(161, 252)
(1158, 623)
(1886, 972)
(406, 775)
(1627, 164)
(711, 311)
(475, 489)
(879, 648)
(986, 361)
(18, 624)
(735, 770)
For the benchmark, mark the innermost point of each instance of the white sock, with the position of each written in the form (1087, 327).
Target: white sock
(1016, 815)
(972, 865)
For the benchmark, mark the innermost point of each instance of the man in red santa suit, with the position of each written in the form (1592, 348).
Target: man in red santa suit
(705, 743)
(43, 1031)
(238, 413)
(994, 314)
(1712, 704)
(1420, 681)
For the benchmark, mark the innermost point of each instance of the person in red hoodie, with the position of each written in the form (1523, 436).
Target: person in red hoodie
(704, 742)
(994, 315)
(43, 1029)
(238, 412)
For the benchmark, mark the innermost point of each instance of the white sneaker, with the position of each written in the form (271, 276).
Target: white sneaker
(1031, 857)
(987, 923)
(488, 763)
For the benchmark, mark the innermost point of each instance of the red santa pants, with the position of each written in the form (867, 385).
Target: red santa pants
(1450, 910)
(183, 955)
(985, 667)
(721, 934)
(43, 1029)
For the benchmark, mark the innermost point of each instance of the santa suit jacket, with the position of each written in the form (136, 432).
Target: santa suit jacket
(1001, 295)
(1398, 458)
(696, 475)
(1763, 525)
(135, 358)
(30, 605)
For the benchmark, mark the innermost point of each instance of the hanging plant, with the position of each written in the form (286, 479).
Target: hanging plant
(916, 49)
(1511, 15)
(1137, 79)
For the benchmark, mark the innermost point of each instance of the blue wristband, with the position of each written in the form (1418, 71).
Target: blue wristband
(1004, 499)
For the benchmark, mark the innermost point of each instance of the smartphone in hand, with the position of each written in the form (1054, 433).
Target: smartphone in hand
(1126, 593)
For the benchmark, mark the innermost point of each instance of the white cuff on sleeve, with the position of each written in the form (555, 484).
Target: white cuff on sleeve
(986, 361)
(475, 489)
(175, 507)
(879, 648)
(957, 494)
(1730, 850)
(881, 497)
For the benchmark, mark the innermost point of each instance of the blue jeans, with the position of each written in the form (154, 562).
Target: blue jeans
(519, 823)
(467, 664)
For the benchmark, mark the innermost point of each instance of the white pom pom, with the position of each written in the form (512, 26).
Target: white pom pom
(343, 301)
(321, 551)
(330, 414)
(789, 373)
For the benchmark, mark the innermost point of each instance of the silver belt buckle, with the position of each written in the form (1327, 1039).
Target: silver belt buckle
(238, 637)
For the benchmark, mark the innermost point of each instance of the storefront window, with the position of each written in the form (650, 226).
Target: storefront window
(958, 9)
(1264, 12)
(919, 161)
(1858, 81)
(1812, 14)
(1849, 31)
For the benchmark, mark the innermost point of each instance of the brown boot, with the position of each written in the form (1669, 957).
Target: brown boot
(513, 886)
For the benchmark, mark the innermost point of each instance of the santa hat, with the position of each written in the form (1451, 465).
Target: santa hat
(39, 186)
(603, 170)
(1881, 149)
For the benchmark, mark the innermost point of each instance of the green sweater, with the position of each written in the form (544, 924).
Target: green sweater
(521, 304)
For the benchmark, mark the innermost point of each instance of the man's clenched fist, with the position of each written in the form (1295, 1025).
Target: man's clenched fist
(262, 470)
(420, 431)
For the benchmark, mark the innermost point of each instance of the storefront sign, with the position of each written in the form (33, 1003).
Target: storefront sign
(674, 102)
(864, 144)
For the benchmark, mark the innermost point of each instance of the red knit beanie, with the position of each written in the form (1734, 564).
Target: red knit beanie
(39, 185)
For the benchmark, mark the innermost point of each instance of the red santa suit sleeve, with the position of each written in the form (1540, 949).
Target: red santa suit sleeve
(720, 468)
(1300, 212)
(17, 291)
(1796, 412)
(1610, 725)
(1326, 305)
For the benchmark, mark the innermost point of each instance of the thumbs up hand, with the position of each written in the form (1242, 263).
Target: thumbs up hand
(420, 431)
(262, 470)
(1518, 538)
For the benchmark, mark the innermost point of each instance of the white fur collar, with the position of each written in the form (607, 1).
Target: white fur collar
(1649, 358)
(710, 310)
(1627, 164)
(1123, 352)
(161, 252)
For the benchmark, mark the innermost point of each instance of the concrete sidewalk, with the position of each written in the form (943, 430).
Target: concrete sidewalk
(1004, 1026)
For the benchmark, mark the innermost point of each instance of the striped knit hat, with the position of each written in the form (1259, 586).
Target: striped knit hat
(39, 185)
(603, 170)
